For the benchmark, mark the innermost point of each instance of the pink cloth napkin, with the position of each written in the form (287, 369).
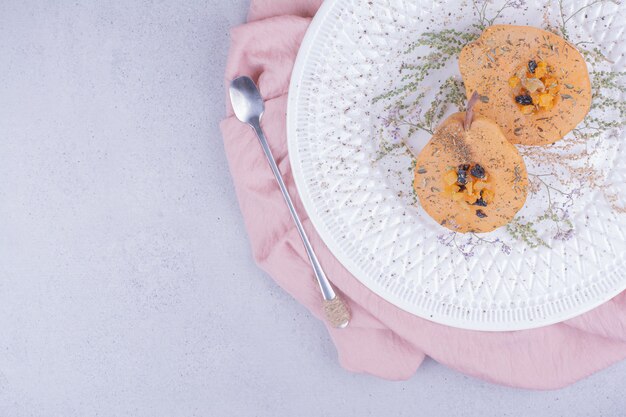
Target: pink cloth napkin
(382, 339)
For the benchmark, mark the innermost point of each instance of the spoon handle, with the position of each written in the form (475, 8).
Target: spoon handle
(335, 309)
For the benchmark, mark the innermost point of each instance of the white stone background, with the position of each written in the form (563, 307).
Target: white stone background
(127, 286)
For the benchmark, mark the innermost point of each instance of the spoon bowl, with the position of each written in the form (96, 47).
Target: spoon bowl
(246, 100)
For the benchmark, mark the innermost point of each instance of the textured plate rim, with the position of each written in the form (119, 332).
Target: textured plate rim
(297, 76)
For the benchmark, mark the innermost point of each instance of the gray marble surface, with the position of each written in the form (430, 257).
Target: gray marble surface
(127, 286)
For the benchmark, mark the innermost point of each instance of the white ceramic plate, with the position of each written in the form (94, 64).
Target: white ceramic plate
(565, 252)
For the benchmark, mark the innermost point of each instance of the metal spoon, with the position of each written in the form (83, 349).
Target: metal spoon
(248, 106)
